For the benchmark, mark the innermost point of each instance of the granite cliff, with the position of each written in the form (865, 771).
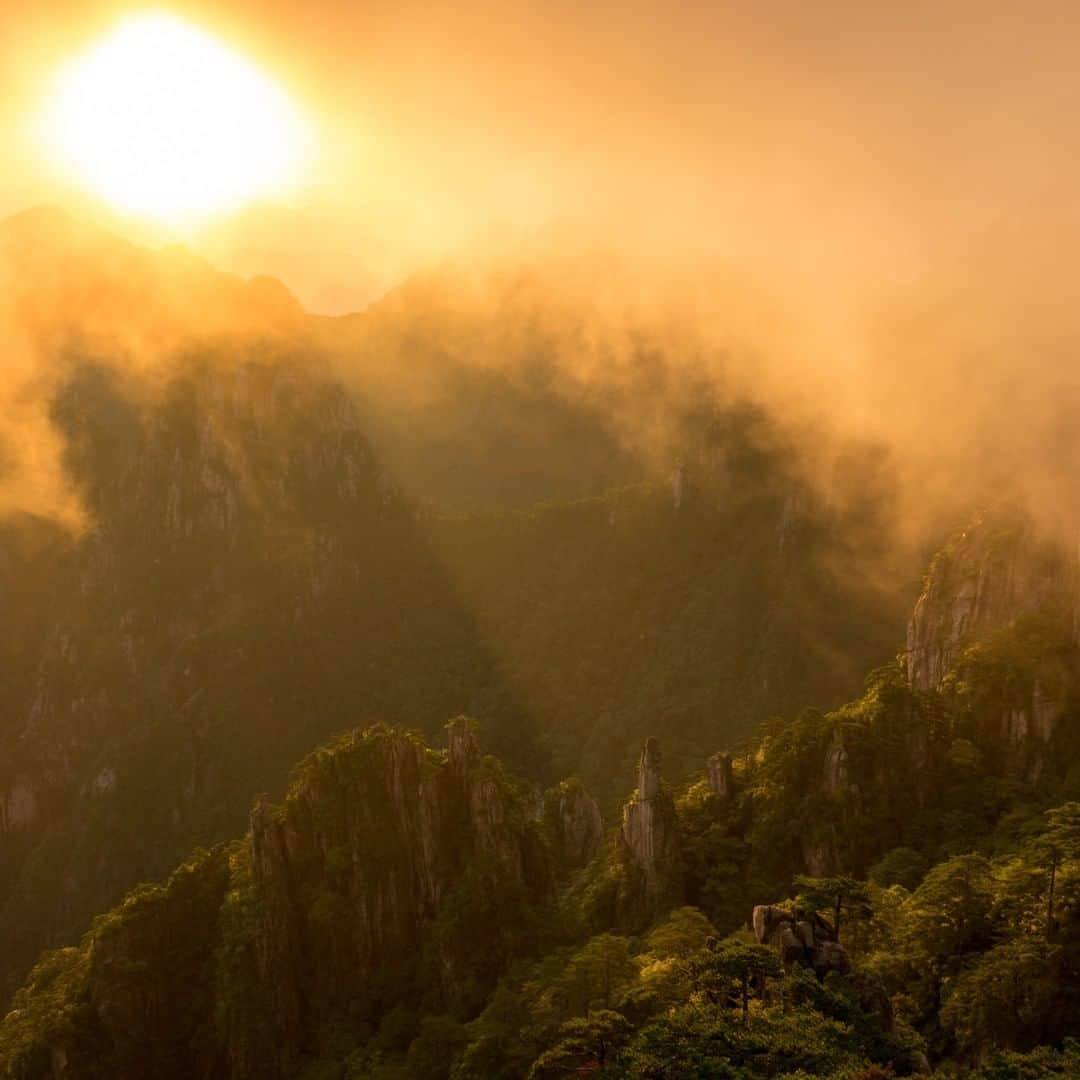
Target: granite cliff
(392, 876)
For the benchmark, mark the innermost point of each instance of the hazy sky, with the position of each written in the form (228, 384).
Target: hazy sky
(869, 143)
(895, 182)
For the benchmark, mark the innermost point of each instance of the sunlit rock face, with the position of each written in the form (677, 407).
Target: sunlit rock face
(394, 836)
(988, 690)
(835, 771)
(995, 571)
(392, 875)
(1001, 598)
(649, 843)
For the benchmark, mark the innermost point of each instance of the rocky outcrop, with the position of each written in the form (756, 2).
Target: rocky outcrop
(996, 629)
(574, 823)
(1037, 718)
(801, 937)
(391, 875)
(248, 576)
(720, 775)
(649, 843)
(817, 846)
(835, 772)
(647, 828)
(995, 571)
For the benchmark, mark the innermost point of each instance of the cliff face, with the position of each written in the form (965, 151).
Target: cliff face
(249, 582)
(574, 823)
(992, 573)
(648, 844)
(392, 875)
(718, 771)
(987, 691)
(995, 631)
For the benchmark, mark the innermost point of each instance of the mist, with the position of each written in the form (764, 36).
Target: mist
(859, 218)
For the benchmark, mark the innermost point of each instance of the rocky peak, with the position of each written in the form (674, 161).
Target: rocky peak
(237, 519)
(463, 747)
(649, 770)
(720, 776)
(574, 823)
(996, 627)
(649, 840)
(987, 576)
(835, 772)
(801, 937)
(385, 879)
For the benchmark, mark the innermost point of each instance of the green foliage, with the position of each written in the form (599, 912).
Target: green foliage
(731, 969)
(149, 956)
(841, 896)
(684, 931)
(999, 670)
(719, 874)
(707, 1042)
(593, 977)
(956, 895)
(902, 866)
(431, 1054)
(584, 1044)
(51, 1009)
(948, 915)
(1008, 999)
(1045, 1063)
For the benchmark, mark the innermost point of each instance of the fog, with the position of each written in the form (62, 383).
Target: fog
(859, 215)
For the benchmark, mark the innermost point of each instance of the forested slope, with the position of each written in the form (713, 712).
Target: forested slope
(878, 890)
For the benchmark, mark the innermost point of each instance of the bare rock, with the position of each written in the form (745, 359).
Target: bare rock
(721, 778)
(649, 841)
(579, 826)
(995, 571)
(835, 779)
(803, 938)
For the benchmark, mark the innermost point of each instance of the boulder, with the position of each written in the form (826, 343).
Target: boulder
(792, 949)
(829, 956)
(801, 937)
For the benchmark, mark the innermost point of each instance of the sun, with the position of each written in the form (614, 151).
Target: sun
(163, 120)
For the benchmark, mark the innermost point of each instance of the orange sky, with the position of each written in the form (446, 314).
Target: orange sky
(896, 182)
(867, 145)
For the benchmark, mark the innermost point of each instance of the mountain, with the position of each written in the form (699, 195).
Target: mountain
(269, 545)
(248, 580)
(391, 875)
(687, 614)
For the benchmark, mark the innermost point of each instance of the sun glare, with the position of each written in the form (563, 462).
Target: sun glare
(162, 120)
